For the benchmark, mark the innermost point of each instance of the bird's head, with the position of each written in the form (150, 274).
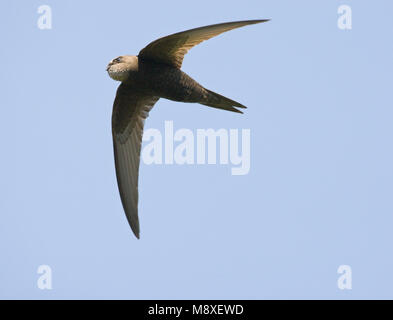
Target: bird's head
(120, 68)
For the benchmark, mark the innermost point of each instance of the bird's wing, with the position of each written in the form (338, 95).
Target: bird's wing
(171, 49)
(130, 110)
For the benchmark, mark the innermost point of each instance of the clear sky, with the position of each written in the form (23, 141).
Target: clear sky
(318, 194)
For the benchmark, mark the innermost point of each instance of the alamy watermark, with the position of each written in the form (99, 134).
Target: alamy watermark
(344, 21)
(44, 281)
(344, 281)
(45, 19)
(206, 146)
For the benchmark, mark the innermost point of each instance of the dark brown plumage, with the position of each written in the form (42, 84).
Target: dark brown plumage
(155, 73)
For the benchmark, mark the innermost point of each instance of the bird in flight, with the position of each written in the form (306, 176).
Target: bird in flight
(153, 74)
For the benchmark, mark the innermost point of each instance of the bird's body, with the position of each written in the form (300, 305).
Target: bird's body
(164, 81)
(153, 74)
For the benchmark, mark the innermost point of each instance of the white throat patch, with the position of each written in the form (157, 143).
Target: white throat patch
(118, 75)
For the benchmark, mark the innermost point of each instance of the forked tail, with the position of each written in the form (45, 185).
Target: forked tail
(218, 101)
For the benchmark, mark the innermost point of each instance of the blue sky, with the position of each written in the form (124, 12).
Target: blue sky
(318, 194)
